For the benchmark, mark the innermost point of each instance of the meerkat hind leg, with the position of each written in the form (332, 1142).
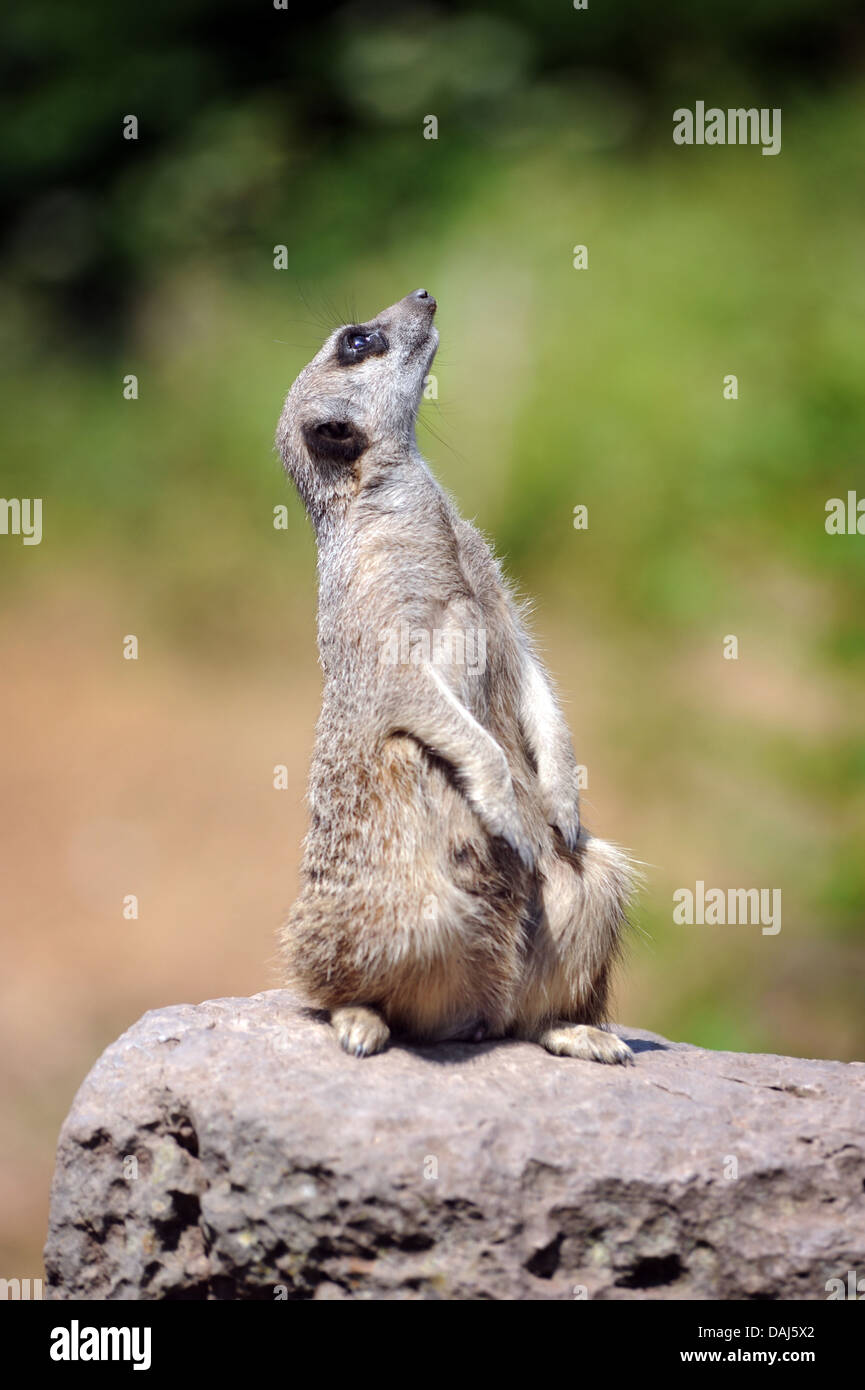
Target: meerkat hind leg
(360, 1030)
(581, 1040)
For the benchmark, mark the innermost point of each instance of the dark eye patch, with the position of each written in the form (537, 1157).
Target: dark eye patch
(359, 342)
(333, 429)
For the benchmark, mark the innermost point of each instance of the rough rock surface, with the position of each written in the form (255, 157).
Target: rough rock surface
(271, 1165)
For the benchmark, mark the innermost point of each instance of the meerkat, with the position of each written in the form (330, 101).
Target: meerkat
(448, 888)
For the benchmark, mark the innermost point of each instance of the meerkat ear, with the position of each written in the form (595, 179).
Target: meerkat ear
(335, 440)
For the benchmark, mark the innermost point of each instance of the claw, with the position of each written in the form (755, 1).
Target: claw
(570, 834)
(522, 849)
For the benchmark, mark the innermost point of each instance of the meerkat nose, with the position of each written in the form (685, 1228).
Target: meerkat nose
(425, 297)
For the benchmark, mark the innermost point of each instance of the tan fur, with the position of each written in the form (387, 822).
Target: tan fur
(448, 888)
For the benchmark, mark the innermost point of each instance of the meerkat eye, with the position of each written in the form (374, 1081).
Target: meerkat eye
(357, 343)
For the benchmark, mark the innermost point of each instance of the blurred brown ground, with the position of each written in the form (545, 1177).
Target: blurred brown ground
(120, 778)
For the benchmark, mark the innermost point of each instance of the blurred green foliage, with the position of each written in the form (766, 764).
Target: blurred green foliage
(556, 386)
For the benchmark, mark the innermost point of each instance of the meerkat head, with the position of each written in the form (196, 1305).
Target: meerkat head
(357, 401)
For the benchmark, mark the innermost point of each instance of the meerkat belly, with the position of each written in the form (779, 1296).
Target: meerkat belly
(445, 902)
(463, 912)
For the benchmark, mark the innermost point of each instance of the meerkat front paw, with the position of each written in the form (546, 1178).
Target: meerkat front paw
(562, 805)
(508, 825)
(591, 1044)
(567, 822)
(360, 1030)
(500, 816)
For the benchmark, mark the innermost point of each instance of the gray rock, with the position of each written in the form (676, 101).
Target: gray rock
(271, 1165)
